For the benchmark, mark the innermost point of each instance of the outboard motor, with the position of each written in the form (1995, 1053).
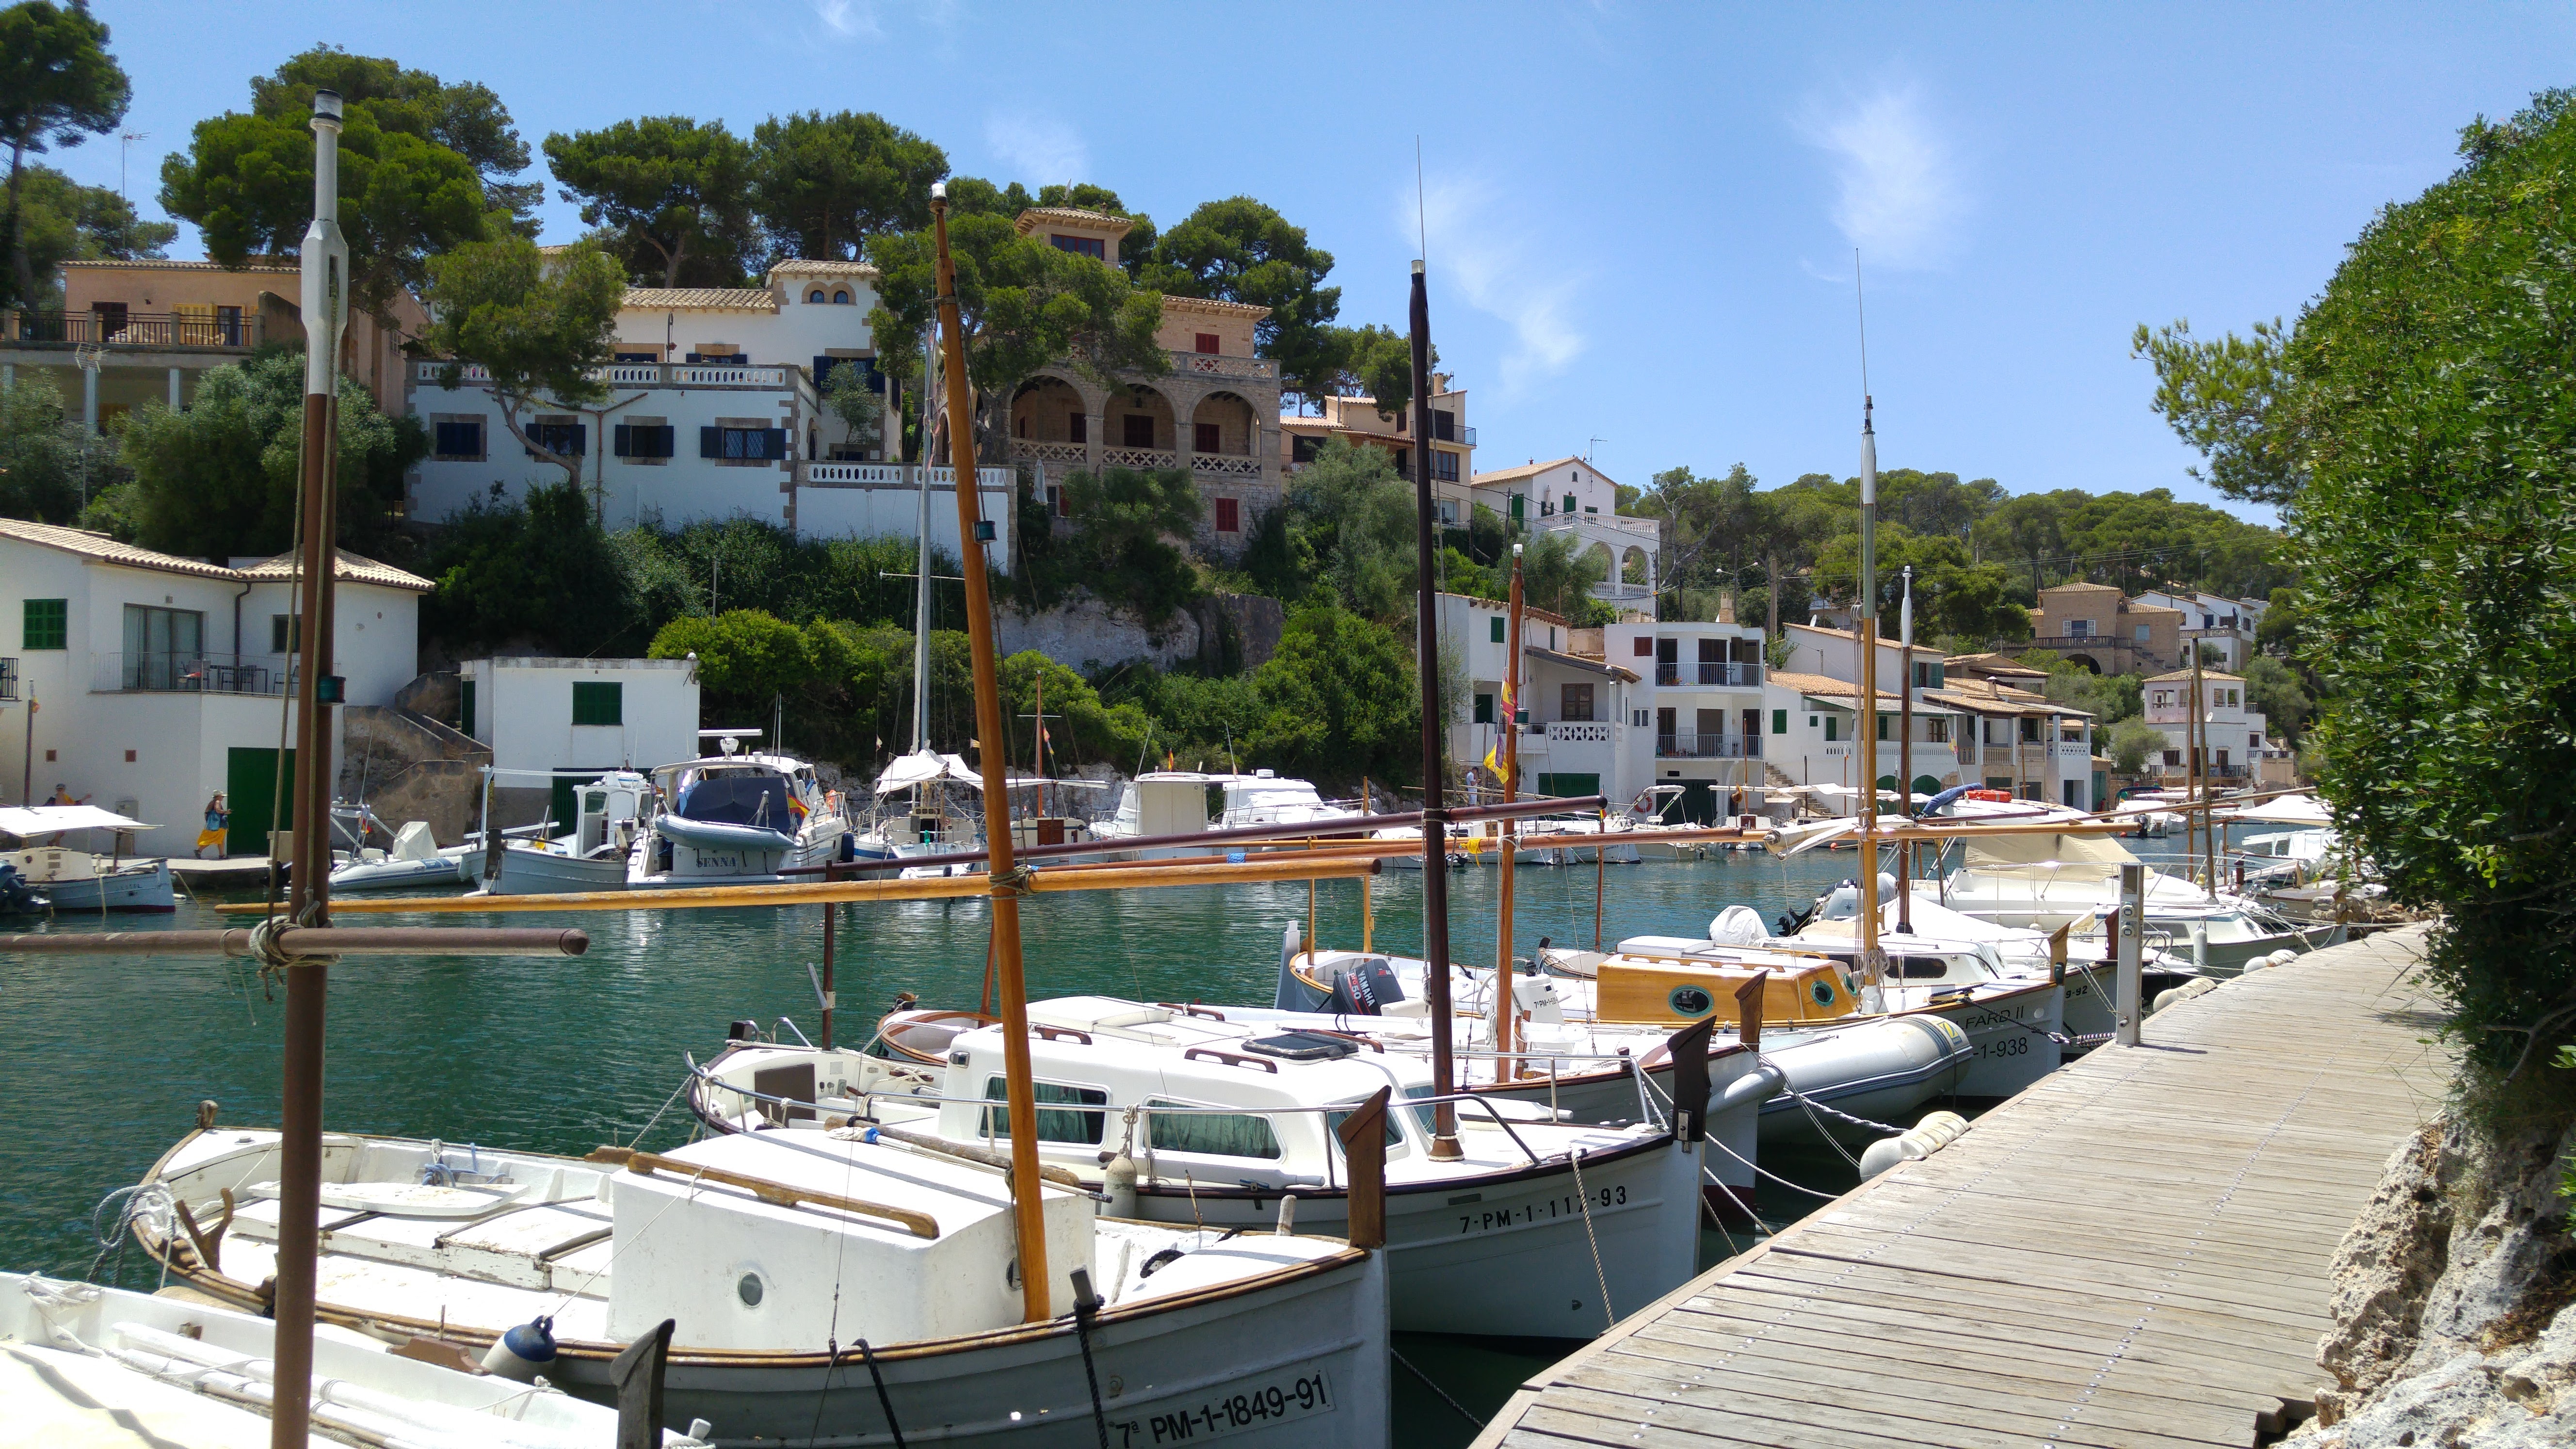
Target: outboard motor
(17, 897)
(1366, 987)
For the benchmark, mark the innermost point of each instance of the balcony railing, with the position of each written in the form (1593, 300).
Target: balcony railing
(638, 374)
(1693, 745)
(1713, 674)
(1211, 364)
(157, 672)
(135, 329)
(1578, 732)
(891, 475)
(8, 679)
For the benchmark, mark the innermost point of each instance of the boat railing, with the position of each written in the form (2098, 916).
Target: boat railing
(867, 1099)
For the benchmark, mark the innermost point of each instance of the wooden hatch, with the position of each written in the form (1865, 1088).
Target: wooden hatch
(1676, 991)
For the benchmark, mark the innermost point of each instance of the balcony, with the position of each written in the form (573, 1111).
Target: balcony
(1578, 732)
(8, 681)
(636, 374)
(1709, 674)
(891, 475)
(1210, 364)
(1078, 455)
(174, 673)
(1691, 745)
(134, 329)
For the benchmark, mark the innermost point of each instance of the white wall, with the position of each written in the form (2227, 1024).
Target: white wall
(523, 710)
(1592, 492)
(876, 500)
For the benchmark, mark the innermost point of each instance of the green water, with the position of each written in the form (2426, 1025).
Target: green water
(103, 1059)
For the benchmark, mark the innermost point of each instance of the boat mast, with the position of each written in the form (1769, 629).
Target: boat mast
(1020, 1091)
(1435, 819)
(1873, 961)
(921, 570)
(325, 299)
(1505, 992)
(1905, 758)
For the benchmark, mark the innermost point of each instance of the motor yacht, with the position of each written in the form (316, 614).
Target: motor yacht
(736, 818)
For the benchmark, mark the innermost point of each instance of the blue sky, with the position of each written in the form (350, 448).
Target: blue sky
(1642, 217)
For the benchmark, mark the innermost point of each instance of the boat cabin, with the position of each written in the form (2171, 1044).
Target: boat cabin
(1666, 982)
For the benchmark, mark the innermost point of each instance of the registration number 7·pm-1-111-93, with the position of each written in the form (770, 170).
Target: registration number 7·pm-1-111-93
(1271, 1403)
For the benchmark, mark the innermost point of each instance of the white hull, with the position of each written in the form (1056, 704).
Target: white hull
(404, 875)
(528, 871)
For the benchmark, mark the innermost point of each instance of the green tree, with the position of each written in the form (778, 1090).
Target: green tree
(221, 477)
(1339, 699)
(673, 191)
(1124, 519)
(41, 455)
(540, 328)
(824, 186)
(538, 571)
(2436, 538)
(2272, 687)
(1370, 361)
(246, 181)
(463, 116)
(1557, 574)
(1022, 304)
(58, 86)
(2133, 746)
(60, 220)
(2222, 397)
(1239, 250)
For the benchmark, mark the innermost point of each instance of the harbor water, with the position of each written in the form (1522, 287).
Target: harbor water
(108, 1057)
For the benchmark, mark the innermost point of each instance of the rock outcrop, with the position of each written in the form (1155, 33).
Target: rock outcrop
(2453, 1323)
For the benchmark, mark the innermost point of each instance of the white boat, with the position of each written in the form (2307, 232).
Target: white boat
(1265, 797)
(1465, 847)
(416, 861)
(736, 819)
(1498, 1243)
(80, 880)
(81, 1364)
(779, 1255)
(1620, 840)
(2042, 882)
(610, 816)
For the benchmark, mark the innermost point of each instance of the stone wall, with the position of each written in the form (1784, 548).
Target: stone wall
(406, 765)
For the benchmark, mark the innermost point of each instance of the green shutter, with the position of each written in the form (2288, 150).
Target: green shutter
(1779, 721)
(1497, 622)
(46, 625)
(599, 704)
(465, 706)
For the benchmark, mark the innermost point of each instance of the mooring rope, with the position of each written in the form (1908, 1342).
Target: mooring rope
(1609, 1319)
(1435, 1388)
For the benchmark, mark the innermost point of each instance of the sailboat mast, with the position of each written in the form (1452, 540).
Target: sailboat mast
(1905, 758)
(1435, 819)
(921, 570)
(325, 302)
(1865, 632)
(1026, 1192)
(1506, 994)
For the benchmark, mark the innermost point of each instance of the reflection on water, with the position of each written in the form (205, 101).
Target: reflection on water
(103, 1060)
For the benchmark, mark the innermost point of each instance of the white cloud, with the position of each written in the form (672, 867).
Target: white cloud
(847, 18)
(1899, 200)
(1479, 248)
(1039, 150)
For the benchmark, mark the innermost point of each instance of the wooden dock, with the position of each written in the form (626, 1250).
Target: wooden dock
(2132, 1252)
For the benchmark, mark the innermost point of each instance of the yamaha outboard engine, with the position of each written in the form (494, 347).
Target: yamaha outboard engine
(17, 897)
(1366, 987)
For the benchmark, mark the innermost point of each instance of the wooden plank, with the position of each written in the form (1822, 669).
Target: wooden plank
(2134, 1251)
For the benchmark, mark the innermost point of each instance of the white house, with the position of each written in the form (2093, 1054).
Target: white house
(2235, 735)
(1700, 698)
(2221, 627)
(1570, 495)
(1576, 707)
(714, 411)
(579, 717)
(148, 682)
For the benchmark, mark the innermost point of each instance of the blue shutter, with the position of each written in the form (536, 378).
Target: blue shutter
(622, 442)
(710, 442)
(773, 443)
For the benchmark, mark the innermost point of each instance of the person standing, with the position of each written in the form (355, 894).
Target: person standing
(218, 819)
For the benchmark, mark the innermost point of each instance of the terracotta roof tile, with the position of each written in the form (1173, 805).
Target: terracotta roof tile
(107, 550)
(348, 568)
(700, 299)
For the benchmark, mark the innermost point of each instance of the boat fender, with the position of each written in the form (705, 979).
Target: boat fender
(1936, 1131)
(2283, 957)
(2199, 986)
(523, 1352)
(1159, 1262)
(1119, 1182)
(1287, 1215)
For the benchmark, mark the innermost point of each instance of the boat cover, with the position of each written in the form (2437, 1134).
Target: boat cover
(1993, 851)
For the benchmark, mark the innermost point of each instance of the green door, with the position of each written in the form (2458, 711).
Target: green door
(253, 787)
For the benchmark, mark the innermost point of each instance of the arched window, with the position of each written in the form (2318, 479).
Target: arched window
(814, 296)
(841, 298)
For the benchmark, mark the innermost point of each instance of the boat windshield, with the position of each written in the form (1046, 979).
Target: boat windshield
(737, 797)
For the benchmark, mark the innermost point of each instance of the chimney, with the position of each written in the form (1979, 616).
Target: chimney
(1726, 606)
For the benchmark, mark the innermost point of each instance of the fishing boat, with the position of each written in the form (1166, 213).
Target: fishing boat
(2041, 882)
(778, 1255)
(82, 1364)
(1618, 835)
(415, 861)
(736, 818)
(1875, 1065)
(1498, 1242)
(611, 816)
(81, 880)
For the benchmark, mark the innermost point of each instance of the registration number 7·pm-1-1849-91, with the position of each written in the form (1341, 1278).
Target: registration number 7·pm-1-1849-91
(1275, 1402)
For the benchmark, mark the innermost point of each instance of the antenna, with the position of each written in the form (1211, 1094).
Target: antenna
(1860, 306)
(124, 152)
(1421, 210)
(1587, 448)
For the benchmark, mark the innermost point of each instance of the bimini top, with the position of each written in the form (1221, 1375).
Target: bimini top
(27, 821)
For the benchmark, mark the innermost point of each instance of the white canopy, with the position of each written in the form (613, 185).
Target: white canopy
(33, 820)
(923, 766)
(2284, 810)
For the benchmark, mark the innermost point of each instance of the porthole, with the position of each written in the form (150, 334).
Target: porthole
(1690, 1001)
(749, 1290)
(1823, 991)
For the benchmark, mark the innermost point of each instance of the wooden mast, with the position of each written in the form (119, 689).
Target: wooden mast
(1505, 992)
(325, 299)
(1027, 1196)
(1435, 819)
